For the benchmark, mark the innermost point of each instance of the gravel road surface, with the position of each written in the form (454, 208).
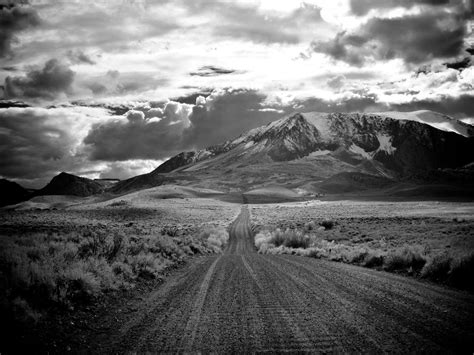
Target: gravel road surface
(242, 301)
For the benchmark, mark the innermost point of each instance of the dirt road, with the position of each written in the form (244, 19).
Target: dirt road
(245, 302)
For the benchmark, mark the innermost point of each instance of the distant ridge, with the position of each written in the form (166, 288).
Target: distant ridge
(68, 184)
(12, 193)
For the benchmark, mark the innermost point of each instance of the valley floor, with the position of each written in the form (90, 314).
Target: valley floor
(242, 301)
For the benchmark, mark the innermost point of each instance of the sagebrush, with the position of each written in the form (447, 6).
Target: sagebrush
(61, 270)
(414, 259)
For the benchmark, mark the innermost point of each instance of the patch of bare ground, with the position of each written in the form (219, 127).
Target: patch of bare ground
(430, 240)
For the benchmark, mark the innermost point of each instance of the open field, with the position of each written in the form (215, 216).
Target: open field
(437, 225)
(434, 240)
(177, 268)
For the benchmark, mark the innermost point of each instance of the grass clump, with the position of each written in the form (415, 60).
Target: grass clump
(289, 238)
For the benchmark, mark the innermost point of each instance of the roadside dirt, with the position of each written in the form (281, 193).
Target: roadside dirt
(242, 301)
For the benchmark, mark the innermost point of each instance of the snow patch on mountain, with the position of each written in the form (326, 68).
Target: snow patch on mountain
(249, 144)
(319, 153)
(468, 120)
(385, 143)
(358, 150)
(320, 121)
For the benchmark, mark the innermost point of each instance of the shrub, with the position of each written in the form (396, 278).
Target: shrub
(310, 226)
(437, 268)
(373, 259)
(290, 238)
(262, 241)
(327, 224)
(407, 259)
(216, 237)
(172, 231)
(61, 270)
(295, 239)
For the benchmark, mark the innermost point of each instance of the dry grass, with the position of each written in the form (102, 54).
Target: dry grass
(431, 240)
(416, 260)
(44, 270)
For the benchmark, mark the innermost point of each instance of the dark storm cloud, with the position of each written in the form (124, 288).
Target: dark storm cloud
(414, 38)
(14, 18)
(211, 70)
(191, 98)
(222, 116)
(30, 145)
(79, 57)
(362, 7)
(460, 64)
(226, 116)
(49, 82)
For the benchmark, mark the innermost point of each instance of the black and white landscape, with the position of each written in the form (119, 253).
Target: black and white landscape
(236, 177)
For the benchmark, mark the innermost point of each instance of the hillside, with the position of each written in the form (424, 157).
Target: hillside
(303, 150)
(11, 193)
(68, 184)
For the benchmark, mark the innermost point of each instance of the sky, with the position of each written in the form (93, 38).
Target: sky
(111, 89)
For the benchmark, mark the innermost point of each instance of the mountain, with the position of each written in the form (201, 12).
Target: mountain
(12, 193)
(68, 184)
(306, 149)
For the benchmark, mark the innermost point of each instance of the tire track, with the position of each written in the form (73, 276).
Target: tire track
(193, 322)
(252, 273)
(377, 309)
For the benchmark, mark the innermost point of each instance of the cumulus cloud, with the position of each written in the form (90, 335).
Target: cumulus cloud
(49, 82)
(415, 38)
(220, 116)
(134, 116)
(134, 136)
(14, 18)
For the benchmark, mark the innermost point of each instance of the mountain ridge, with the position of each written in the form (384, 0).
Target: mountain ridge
(321, 144)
